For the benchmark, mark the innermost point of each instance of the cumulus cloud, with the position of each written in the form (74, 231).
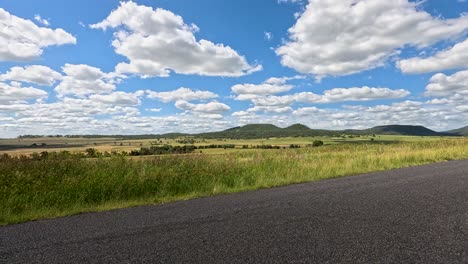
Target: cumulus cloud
(81, 80)
(208, 108)
(157, 41)
(261, 89)
(283, 80)
(448, 85)
(329, 96)
(306, 111)
(270, 109)
(264, 99)
(181, 94)
(271, 86)
(37, 74)
(341, 37)
(118, 98)
(22, 40)
(455, 57)
(14, 94)
(274, 101)
(351, 94)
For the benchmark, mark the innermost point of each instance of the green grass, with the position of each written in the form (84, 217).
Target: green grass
(56, 187)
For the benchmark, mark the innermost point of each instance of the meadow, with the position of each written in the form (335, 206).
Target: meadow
(69, 184)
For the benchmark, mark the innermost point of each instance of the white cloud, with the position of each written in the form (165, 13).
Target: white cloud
(184, 94)
(341, 37)
(271, 109)
(118, 98)
(41, 20)
(260, 89)
(272, 85)
(283, 80)
(329, 96)
(240, 113)
(81, 80)
(261, 95)
(351, 94)
(208, 108)
(154, 110)
(268, 35)
(158, 41)
(455, 57)
(274, 101)
(405, 106)
(306, 111)
(22, 40)
(13, 94)
(37, 74)
(443, 85)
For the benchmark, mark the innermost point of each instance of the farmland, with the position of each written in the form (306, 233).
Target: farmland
(26, 146)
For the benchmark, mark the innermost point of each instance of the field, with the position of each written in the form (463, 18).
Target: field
(27, 146)
(63, 185)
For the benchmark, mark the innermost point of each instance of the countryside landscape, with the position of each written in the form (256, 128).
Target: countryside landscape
(59, 175)
(234, 131)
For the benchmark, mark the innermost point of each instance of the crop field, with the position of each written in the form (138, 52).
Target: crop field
(64, 184)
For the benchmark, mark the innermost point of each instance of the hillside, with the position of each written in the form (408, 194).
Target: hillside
(405, 130)
(299, 130)
(460, 131)
(266, 131)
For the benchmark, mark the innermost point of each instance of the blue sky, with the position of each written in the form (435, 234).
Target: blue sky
(158, 66)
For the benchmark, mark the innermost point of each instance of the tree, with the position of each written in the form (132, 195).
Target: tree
(317, 143)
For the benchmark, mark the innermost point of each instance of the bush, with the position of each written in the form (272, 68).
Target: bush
(317, 143)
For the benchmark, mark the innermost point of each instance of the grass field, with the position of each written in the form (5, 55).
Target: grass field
(27, 146)
(35, 189)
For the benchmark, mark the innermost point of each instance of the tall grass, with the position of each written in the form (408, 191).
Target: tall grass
(32, 189)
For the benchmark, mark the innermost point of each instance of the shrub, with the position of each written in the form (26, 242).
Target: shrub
(317, 143)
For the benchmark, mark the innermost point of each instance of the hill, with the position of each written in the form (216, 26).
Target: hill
(404, 130)
(460, 131)
(247, 131)
(266, 131)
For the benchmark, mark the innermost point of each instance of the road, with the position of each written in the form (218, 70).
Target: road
(410, 215)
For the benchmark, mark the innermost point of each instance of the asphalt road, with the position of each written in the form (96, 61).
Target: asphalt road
(411, 215)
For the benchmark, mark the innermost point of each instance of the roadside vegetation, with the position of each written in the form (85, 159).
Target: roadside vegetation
(63, 183)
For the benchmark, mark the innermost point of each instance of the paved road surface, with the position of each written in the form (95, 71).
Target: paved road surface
(412, 215)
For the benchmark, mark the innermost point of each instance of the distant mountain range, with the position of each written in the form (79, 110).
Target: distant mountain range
(297, 130)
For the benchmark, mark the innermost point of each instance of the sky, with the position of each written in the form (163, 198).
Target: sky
(160, 66)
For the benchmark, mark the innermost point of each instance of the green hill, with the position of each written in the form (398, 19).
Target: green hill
(266, 131)
(297, 127)
(258, 128)
(460, 131)
(247, 131)
(405, 130)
